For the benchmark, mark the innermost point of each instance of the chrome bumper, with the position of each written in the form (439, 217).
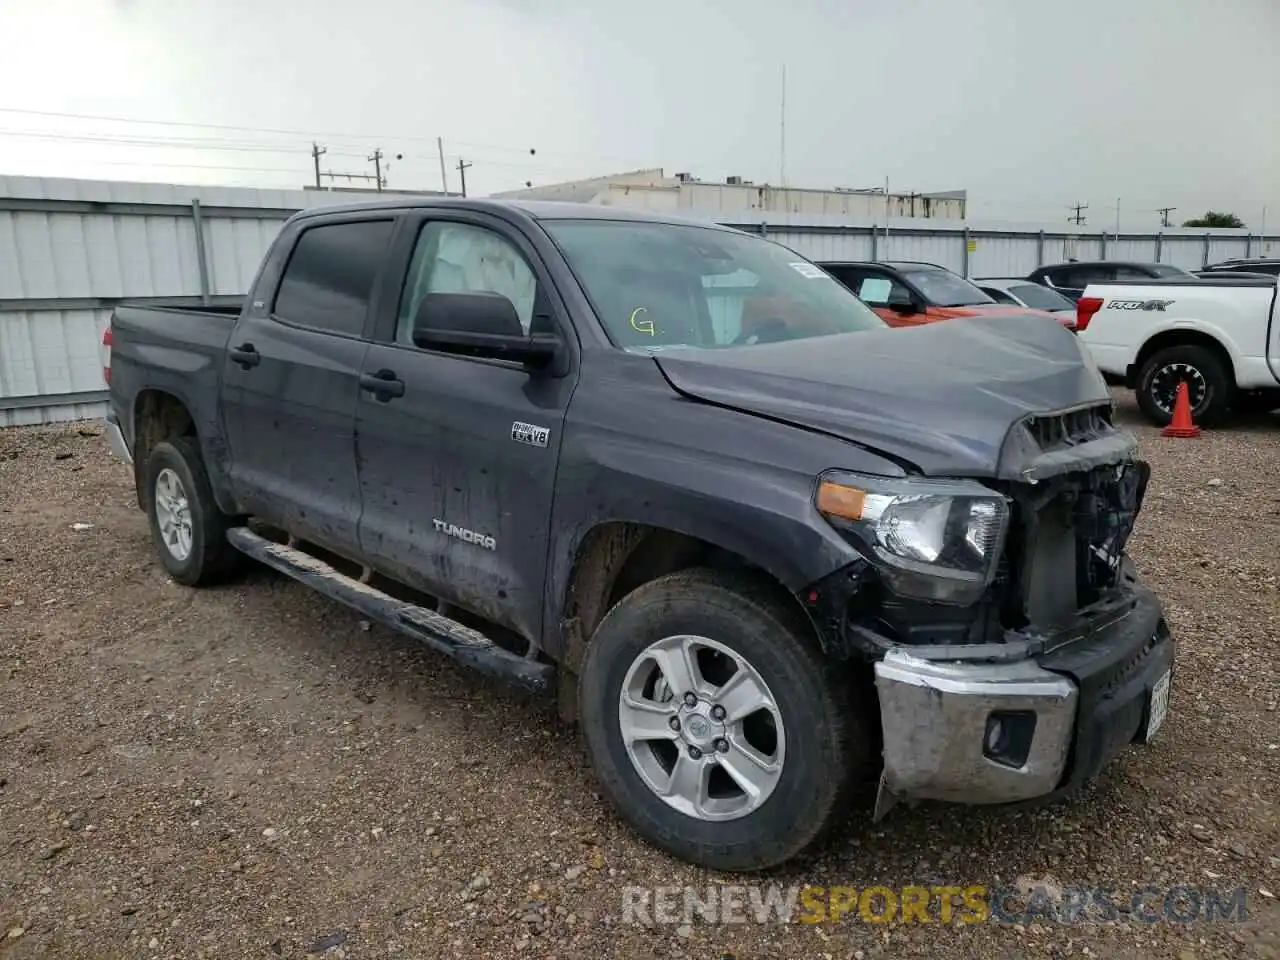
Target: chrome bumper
(972, 733)
(115, 439)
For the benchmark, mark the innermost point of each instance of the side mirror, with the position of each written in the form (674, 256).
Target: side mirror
(480, 325)
(903, 302)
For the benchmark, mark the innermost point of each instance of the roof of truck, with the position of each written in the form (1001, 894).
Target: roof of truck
(534, 209)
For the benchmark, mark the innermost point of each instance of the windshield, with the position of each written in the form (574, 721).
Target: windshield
(1168, 270)
(1041, 298)
(945, 289)
(660, 285)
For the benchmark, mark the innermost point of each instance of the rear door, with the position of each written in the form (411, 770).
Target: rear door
(289, 383)
(457, 473)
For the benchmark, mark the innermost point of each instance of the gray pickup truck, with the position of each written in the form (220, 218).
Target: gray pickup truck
(761, 547)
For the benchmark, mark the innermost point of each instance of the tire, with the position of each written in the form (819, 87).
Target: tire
(823, 749)
(1208, 381)
(208, 557)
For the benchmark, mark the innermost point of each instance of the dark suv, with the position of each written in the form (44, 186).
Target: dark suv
(1251, 265)
(908, 293)
(1070, 279)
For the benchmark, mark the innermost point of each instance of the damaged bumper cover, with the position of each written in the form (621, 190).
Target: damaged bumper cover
(115, 437)
(990, 732)
(939, 717)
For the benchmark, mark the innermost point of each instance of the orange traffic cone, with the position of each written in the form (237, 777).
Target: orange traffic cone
(1181, 425)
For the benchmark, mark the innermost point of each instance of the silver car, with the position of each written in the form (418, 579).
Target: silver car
(1021, 291)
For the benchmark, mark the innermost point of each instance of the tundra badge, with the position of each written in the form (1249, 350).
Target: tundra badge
(534, 436)
(466, 536)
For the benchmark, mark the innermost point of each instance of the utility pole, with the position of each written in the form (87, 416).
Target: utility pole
(444, 180)
(886, 213)
(782, 144)
(1164, 214)
(317, 152)
(462, 172)
(1079, 217)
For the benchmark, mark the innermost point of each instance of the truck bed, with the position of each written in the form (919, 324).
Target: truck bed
(177, 349)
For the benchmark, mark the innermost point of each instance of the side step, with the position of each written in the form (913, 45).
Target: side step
(446, 636)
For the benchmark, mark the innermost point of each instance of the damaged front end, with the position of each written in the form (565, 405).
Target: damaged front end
(1028, 687)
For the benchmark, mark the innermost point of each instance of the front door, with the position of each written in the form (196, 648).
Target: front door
(457, 473)
(290, 385)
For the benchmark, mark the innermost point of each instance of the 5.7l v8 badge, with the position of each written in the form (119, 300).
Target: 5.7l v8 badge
(529, 433)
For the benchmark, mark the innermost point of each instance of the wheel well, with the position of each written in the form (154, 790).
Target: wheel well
(1183, 338)
(616, 558)
(157, 417)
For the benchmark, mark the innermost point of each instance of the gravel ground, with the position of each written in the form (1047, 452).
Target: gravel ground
(247, 772)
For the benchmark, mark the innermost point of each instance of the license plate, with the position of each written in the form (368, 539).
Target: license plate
(1159, 705)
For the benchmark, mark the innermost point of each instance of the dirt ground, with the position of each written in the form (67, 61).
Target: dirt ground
(249, 772)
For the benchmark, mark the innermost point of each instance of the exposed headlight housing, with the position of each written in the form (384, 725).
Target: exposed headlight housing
(938, 540)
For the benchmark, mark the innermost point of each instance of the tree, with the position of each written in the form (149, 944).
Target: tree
(1215, 219)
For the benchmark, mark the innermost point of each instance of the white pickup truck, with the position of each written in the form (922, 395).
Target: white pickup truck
(1219, 335)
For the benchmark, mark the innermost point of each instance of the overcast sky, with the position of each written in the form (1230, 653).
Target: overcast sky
(1030, 105)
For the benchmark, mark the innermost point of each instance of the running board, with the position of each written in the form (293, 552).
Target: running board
(442, 634)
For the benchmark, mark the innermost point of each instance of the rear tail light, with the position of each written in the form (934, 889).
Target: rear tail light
(1086, 307)
(106, 354)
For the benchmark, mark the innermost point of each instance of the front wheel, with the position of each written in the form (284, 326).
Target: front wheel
(715, 724)
(1209, 386)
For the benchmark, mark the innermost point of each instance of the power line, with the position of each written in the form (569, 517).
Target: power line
(307, 134)
(160, 165)
(181, 143)
(233, 146)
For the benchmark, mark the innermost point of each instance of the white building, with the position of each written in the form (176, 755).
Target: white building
(652, 190)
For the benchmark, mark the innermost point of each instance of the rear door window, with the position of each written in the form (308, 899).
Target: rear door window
(849, 276)
(1132, 273)
(1081, 277)
(328, 281)
(998, 295)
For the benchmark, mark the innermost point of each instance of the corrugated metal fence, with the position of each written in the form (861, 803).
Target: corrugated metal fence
(71, 249)
(1001, 250)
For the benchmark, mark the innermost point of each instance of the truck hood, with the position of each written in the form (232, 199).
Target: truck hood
(942, 396)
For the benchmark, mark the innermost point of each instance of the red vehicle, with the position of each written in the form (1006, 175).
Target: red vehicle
(907, 294)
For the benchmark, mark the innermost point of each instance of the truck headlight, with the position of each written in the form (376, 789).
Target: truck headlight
(937, 540)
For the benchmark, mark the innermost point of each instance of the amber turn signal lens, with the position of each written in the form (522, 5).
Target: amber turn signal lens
(837, 500)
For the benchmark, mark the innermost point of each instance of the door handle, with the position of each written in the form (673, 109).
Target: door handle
(245, 355)
(384, 384)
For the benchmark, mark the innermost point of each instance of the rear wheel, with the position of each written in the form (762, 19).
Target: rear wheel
(1209, 386)
(188, 529)
(715, 724)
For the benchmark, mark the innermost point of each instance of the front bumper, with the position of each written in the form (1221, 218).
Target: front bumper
(115, 438)
(983, 732)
